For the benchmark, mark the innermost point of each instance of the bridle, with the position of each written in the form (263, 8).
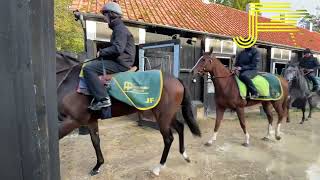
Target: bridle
(213, 77)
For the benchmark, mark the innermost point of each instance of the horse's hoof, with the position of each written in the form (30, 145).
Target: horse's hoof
(245, 144)
(288, 121)
(278, 138)
(155, 173)
(266, 139)
(301, 122)
(157, 169)
(208, 144)
(187, 159)
(94, 172)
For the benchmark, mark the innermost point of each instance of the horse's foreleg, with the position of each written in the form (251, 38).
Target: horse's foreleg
(219, 117)
(240, 113)
(310, 107)
(167, 139)
(288, 109)
(303, 115)
(179, 127)
(66, 126)
(267, 109)
(95, 139)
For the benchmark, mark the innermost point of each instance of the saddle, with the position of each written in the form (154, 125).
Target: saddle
(106, 78)
(268, 86)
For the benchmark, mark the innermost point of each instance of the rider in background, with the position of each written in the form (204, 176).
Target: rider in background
(309, 63)
(118, 57)
(246, 67)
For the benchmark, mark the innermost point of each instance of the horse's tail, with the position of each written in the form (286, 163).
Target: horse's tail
(187, 112)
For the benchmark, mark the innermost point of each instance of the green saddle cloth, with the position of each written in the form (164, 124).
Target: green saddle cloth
(268, 86)
(141, 90)
(310, 84)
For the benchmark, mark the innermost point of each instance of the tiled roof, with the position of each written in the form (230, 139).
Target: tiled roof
(196, 15)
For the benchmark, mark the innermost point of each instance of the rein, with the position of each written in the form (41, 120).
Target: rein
(231, 74)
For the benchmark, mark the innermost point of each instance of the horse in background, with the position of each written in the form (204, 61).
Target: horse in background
(227, 95)
(300, 94)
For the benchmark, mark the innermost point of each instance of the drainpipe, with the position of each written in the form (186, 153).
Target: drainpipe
(79, 17)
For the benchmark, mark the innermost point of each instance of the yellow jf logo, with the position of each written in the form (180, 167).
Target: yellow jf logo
(286, 21)
(150, 100)
(127, 86)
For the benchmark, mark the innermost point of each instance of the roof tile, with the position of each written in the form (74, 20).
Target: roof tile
(196, 15)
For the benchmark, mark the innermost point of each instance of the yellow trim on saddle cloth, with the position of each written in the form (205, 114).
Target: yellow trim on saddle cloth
(140, 108)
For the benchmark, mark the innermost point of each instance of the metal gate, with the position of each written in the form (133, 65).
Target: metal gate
(162, 55)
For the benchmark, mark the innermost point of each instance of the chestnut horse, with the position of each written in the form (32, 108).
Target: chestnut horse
(227, 96)
(73, 113)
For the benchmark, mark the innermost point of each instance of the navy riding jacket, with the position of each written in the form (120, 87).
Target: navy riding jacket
(122, 49)
(248, 59)
(309, 62)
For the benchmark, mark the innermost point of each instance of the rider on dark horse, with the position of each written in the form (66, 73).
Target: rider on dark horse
(118, 57)
(246, 68)
(309, 63)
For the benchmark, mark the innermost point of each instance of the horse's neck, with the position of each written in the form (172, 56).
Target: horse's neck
(218, 69)
(302, 80)
(223, 79)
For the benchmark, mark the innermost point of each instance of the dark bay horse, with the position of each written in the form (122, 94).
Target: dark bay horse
(299, 92)
(227, 96)
(73, 113)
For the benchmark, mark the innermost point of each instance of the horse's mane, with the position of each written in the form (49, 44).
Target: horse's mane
(67, 74)
(225, 71)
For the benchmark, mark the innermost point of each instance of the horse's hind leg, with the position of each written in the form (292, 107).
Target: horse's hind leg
(219, 117)
(278, 106)
(66, 126)
(95, 139)
(240, 113)
(179, 127)
(167, 139)
(267, 107)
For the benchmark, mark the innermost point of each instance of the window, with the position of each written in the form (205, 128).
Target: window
(221, 46)
(101, 32)
(281, 54)
(215, 43)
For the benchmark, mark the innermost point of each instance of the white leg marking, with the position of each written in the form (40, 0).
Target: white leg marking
(157, 169)
(185, 156)
(247, 137)
(270, 131)
(213, 138)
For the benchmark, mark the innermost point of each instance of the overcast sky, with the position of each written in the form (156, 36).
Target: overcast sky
(309, 5)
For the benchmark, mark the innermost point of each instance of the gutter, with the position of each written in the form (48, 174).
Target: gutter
(98, 17)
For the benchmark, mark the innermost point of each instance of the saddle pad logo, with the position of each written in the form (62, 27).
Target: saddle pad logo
(133, 88)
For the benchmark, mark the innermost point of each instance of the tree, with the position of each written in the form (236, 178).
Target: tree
(314, 19)
(237, 4)
(69, 33)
